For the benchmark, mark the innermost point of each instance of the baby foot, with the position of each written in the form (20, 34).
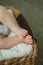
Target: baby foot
(28, 39)
(22, 32)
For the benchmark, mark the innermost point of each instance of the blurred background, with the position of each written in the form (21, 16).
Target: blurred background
(33, 13)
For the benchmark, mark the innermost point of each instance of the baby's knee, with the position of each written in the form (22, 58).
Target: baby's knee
(2, 10)
(1, 7)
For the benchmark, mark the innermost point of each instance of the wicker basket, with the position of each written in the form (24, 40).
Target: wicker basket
(27, 59)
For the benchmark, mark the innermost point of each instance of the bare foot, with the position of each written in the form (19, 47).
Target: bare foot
(22, 32)
(28, 39)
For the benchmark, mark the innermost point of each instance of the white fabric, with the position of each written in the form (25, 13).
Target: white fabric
(4, 30)
(16, 51)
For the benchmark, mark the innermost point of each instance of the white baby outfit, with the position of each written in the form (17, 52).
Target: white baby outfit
(18, 50)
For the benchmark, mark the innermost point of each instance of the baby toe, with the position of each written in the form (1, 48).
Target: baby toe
(29, 37)
(28, 40)
(24, 33)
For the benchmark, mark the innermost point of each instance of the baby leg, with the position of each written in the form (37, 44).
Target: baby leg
(11, 22)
